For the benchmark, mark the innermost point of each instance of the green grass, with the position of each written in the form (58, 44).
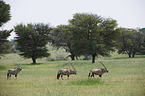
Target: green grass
(126, 77)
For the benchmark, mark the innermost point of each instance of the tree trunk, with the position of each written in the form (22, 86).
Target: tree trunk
(93, 58)
(129, 54)
(72, 57)
(34, 60)
(86, 57)
(76, 57)
(133, 55)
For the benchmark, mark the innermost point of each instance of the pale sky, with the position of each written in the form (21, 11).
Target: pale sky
(128, 13)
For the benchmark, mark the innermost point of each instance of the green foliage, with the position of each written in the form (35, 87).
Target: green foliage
(142, 50)
(4, 34)
(32, 40)
(142, 30)
(4, 12)
(86, 34)
(93, 35)
(63, 38)
(5, 46)
(130, 41)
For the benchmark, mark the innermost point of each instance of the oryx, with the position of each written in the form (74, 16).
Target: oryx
(98, 71)
(14, 72)
(66, 71)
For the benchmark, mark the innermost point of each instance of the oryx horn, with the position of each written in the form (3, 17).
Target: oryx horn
(73, 67)
(103, 65)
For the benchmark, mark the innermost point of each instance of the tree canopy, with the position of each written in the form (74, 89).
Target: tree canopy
(63, 38)
(32, 39)
(130, 41)
(87, 34)
(142, 51)
(4, 13)
(4, 34)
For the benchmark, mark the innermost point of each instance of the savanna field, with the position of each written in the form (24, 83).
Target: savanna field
(126, 77)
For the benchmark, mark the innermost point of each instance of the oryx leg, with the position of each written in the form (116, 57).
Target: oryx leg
(68, 76)
(7, 75)
(100, 76)
(92, 75)
(10, 76)
(61, 77)
(16, 76)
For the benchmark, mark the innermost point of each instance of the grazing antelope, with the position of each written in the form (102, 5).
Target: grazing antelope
(99, 71)
(14, 72)
(66, 72)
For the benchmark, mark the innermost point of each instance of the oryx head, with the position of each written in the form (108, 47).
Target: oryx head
(20, 68)
(105, 67)
(75, 72)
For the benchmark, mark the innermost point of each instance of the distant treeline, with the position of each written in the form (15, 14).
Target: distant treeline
(86, 34)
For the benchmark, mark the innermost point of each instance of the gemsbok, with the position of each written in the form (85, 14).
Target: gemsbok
(98, 71)
(14, 72)
(66, 71)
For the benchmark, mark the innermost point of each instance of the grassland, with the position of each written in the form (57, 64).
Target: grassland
(126, 77)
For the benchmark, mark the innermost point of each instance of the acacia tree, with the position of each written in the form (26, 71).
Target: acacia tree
(130, 41)
(63, 38)
(4, 34)
(142, 51)
(4, 13)
(142, 30)
(32, 39)
(5, 46)
(93, 35)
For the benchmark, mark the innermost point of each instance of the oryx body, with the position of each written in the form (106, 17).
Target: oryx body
(14, 72)
(65, 72)
(98, 71)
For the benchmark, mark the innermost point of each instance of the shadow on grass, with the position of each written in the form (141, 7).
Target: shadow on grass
(2, 67)
(138, 56)
(33, 64)
(121, 58)
(89, 81)
(142, 56)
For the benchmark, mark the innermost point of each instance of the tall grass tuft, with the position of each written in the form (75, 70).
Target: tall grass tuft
(85, 82)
